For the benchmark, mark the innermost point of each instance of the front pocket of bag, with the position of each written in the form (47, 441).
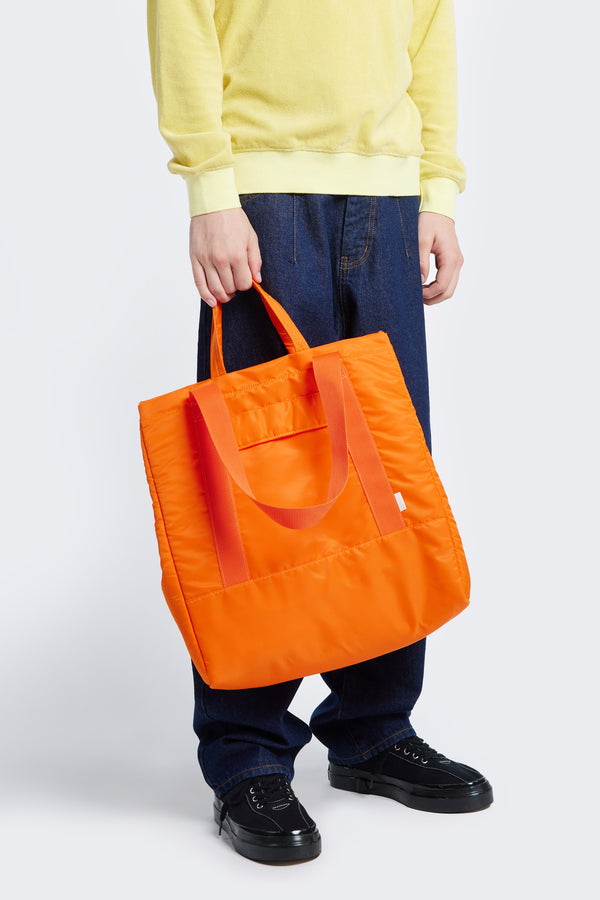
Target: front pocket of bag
(292, 472)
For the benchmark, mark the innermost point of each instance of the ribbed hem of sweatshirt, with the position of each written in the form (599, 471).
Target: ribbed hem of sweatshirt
(322, 172)
(317, 172)
(439, 195)
(211, 191)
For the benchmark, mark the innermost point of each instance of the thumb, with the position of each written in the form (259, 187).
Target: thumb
(425, 248)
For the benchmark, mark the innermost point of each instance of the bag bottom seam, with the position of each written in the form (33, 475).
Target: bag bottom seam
(312, 562)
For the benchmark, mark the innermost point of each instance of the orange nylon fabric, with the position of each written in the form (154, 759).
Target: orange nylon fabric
(324, 570)
(214, 412)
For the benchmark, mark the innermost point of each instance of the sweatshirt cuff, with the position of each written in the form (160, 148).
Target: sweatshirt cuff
(211, 191)
(439, 195)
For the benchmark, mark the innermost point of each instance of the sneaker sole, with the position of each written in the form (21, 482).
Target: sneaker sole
(269, 849)
(470, 798)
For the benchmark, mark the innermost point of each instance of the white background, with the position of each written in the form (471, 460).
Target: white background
(101, 793)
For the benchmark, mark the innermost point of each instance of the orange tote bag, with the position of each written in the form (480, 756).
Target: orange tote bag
(301, 523)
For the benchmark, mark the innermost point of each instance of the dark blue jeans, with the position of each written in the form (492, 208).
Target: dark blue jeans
(342, 267)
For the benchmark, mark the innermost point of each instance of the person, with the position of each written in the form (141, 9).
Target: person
(318, 146)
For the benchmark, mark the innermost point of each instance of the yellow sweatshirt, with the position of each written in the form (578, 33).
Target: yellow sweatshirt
(308, 96)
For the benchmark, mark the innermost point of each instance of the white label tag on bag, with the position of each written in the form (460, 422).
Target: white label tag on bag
(400, 500)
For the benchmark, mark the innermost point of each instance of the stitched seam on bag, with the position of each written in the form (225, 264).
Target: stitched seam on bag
(448, 510)
(313, 562)
(293, 371)
(294, 399)
(285, 376)
(275, 435)
(282, 434)
(245, 412)
(152, 417)
(166, 534)
(448, 516)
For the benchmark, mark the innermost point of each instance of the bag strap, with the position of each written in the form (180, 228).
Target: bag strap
(327, 369)
(367, 462)
(286, 329)
(220, 504)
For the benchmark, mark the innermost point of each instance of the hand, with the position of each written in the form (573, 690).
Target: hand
(224, 254)
(437, 235)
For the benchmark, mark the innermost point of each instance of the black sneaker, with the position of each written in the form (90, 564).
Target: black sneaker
(418, 776)
(266, 821)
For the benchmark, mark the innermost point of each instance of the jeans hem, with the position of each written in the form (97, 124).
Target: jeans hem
(384, 744)
(225, 786)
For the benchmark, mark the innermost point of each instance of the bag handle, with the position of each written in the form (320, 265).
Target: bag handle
(209, 401)
(286, 329)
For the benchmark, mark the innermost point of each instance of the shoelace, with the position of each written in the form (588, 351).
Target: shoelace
(276, 787)
(263, 791)
(414, 747)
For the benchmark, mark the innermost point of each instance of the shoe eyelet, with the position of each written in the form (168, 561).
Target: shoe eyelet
(251, 790)
(415, 756)
(396, 747)
(259, 806)
(255, 799)
(424, 761)
(406, 752)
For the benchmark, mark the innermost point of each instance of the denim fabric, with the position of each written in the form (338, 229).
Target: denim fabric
(342, 267)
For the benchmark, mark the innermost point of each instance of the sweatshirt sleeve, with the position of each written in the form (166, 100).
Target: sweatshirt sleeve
(432, 50)
(187, 79)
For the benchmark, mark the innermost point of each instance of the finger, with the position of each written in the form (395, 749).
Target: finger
(449, 266)
(432, 290)
(226, 276)
(215, 285)
(447, 292)
(424, 261)
(445, 295)
(242, 276)
(200, 282)
(445, 271)
(425, 238)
